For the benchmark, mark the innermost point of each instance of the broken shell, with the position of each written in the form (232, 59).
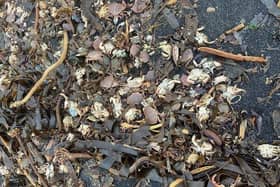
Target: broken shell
(187, 56)
(215, 137)
(203, 147)
(186, 131)
(135, 82)
(96, 43)
(151, 115)
(144, 56)
(119, 53)
(94, 56)
(99, 112)
(223, 108)
(108, 82)
(135, 98)
(166, 49)
(107, 47)
(231, 94)
(202, 38)
(210, 65)
(79, 75)
(132, 114)
(192, 158)
(175, 53)
(269, 151)
(242, 129)
(117, 106)
(220, 79)
(203, 114)
(184, 80)
(134, 50)
(67, 122)
(210, 9)
(73, 109)
(84, 129)
(43, 5)
(205, 100)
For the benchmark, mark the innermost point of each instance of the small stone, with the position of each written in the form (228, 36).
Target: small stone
(151, 115)
(210, 10)
(135, 98)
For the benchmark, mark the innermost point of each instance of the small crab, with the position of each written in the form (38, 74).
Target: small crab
(202, 38)
(112, 10)
(197, 76)
(269, 151)
(203, 147)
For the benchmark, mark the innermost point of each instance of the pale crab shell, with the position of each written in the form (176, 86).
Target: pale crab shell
(165, 86)
(166, 49)
(49, 171)
(192, 158)
(197, 76)
(117, 106)
(203, 147)
(79, 75)
(4, 82)
(84, 129)
(135, 82)
(269, 151)
(107, 47)
(203, 114)
(132, 114)
(72, 106)
(67, 122)
(205, 100)
(119, 53)
(4, 171)
(99, 111)
(202, 39)
(220, 79)
(232, 92)
(210, 65)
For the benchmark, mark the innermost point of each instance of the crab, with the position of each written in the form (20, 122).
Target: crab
(112, 10)
(203, 147)
(269, 151)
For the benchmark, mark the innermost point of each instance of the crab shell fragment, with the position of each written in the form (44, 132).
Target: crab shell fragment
(269, 151)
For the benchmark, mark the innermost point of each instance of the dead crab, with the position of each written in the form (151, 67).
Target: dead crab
(112, 10)
(203, 147)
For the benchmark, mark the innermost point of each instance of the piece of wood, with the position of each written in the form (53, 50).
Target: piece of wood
(235, 29)
(232, 56)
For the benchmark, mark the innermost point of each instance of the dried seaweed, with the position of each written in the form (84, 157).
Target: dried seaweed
(135, 99)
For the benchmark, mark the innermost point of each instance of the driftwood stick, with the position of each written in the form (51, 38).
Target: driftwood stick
(232, 56)
(45, 74)
(36, 24)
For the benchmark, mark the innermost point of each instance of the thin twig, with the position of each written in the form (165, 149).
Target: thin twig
(232, 56)
(235, 29)
(42, 180)
(36, 24)
(45, 74)
(19, 161)
(57, 113)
